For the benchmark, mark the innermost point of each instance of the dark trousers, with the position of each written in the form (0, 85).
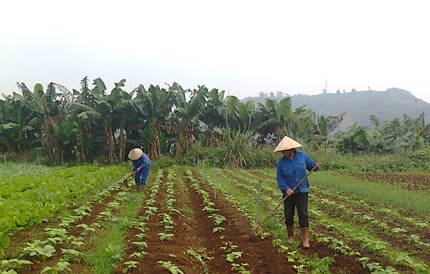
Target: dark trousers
(299, 201)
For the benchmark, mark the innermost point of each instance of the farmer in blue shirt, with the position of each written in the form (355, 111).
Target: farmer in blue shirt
(291, 170)
(141, 166)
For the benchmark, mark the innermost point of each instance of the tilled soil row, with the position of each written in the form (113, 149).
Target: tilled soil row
(131, 235)
(194, 248)
(261, 255)
(193, 234)
(417, 182)
(174, 250)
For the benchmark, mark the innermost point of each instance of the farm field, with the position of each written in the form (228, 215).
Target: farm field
(90, 219)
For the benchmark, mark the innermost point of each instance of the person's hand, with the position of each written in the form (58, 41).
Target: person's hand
(138, 169)
(290, 192)
(319, 163)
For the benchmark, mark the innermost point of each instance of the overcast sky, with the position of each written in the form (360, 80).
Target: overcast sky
(242, 47)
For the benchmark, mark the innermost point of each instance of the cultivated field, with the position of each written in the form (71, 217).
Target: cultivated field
(89, 219)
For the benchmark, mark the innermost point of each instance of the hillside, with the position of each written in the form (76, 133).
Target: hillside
(359, 105)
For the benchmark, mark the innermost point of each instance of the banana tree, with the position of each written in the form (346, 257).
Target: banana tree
(355, 140)
(232, 106)
(405, 135)
(274, 118)
(82, 118)
(44, 108)
(185, 121)
(156, 104)
(66, 138)
(84, 110)
(16, 134)
(213, 116)
(325, 128)
(124, 112)
(105, 110)
(247, 112)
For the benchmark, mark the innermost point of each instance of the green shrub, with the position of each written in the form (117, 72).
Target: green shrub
(163, 162)
(262, 157)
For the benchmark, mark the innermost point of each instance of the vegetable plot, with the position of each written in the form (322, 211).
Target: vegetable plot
(205, 234)
(191, 220)
(35, 197)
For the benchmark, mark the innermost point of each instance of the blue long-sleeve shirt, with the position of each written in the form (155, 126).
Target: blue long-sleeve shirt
(291, 171)
(141, 162)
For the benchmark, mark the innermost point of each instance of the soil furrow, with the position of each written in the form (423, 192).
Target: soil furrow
(261, 255)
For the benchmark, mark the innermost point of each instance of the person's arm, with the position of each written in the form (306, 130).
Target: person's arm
(281, 180)
(310, 164)
(144, 162)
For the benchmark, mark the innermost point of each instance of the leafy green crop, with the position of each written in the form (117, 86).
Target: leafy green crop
(28, 200)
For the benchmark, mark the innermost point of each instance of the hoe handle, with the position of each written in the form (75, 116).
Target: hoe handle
(128, 177)
(283, 199)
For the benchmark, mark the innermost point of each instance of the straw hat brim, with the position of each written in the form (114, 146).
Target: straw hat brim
(287, 143)
(135, 154)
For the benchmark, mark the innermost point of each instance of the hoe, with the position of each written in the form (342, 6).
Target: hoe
(283, 199)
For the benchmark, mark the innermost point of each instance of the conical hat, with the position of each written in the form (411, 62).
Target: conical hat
(135, 154)
(287, 143)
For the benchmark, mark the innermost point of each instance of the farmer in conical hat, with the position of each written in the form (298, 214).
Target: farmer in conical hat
(141, 166)
(291, 170)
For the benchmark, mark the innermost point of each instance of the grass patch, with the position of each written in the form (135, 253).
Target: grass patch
(105, 257)
(106, 254)
(411, 201)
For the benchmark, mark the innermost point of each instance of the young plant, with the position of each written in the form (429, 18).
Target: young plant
(13, 263)
(87, 229)
(165, 236)
(199, 256)
(218, 229)
(218, 219)
(241, 268)
(139, 255)
(39, 248)
(167, 221)
(60, 267)
(129, 266)
(71, 254)
(141, 245)
(174, 269)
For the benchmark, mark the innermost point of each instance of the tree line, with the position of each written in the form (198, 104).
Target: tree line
(93, 124)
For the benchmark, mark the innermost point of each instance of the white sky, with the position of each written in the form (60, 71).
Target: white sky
(242, 47)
